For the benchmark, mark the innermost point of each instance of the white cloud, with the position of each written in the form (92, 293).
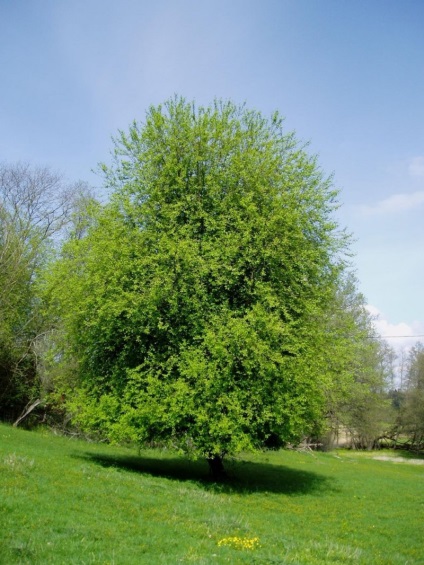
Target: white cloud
(399, 336)
(395, 203)
(416, 166)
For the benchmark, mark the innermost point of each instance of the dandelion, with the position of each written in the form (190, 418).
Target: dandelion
(240, 543)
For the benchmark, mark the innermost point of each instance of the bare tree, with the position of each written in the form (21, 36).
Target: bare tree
(36, 206)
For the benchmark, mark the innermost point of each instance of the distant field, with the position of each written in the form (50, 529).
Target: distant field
(64, 501)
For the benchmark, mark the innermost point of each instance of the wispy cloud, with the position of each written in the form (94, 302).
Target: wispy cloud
(416, 166)
(394, 204)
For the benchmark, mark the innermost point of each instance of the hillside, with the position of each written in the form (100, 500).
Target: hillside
(65, 501)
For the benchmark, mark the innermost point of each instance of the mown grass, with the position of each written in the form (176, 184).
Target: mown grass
(65, 501)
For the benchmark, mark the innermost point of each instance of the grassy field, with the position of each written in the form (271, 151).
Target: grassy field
(70, 502)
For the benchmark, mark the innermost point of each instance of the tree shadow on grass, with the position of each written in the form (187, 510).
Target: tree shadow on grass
(244, 477)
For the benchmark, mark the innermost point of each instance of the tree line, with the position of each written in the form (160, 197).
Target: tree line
(209, 304)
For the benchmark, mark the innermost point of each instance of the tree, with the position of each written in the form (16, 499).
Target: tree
(35, 204)
(193, 303)
(362, 367)
(411, 416)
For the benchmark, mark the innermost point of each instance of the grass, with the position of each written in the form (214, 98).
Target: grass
(64, 501)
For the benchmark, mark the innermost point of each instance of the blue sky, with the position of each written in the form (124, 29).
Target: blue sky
(347, 75)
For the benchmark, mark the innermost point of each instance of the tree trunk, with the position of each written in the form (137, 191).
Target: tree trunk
(216, 468)
(27, 410)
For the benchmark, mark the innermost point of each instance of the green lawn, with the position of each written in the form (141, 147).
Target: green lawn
(72, 502)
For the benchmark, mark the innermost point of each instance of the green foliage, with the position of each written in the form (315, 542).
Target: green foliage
(193, 304)
(69, 502)
(34, 207)
(22, 250)
(362, 365)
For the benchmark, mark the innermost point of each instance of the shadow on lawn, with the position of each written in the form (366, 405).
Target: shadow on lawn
(243, 476)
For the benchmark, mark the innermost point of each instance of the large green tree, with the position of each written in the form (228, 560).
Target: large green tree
(193, 305)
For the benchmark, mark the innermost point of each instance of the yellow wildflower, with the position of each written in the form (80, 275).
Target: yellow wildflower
(240, 543)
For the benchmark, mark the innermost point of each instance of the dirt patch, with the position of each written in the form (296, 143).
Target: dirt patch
(400, 460)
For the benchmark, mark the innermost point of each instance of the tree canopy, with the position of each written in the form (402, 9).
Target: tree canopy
(194, 301)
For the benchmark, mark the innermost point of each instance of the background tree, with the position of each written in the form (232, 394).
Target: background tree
(362, 367)
(411, 399)
(35, 205)
(193, 303)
